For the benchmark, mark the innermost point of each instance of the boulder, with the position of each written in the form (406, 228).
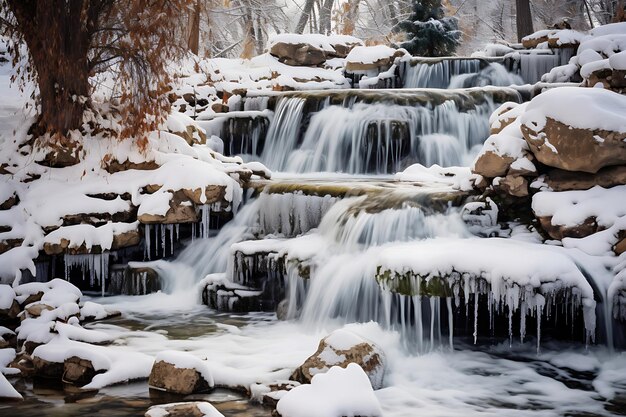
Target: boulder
(186, 409)
(490, 165)
(572, 149)
(192, 135)
(212, 194)
(34, 310)
(78, 371)
(559, 180)
(180, 373)
(514, 185)
(46, 369)
(559, 231)
(341, 348)
(298, 54)
(220, 108)
(181, 210)
(372, 58)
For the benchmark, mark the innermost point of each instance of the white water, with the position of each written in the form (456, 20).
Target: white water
(459, 73)
(380, 138)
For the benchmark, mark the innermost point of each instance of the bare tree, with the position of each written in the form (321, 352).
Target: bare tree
(69, 41)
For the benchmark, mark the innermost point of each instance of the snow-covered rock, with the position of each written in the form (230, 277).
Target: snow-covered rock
(180, 373)
(187, 409)
(341, 348)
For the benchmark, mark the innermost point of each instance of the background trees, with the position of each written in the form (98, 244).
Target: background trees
(429, 32)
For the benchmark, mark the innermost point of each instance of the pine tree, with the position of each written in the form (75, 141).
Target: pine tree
(429, 32)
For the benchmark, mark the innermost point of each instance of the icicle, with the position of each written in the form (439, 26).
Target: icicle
(170, 231)
(475, 317)
(539, 311)
(510, 327)
(193, 231)
(417, 305)
(450, 323)
(522, 325)
(163, 244)
(432, 323)
(147, 241)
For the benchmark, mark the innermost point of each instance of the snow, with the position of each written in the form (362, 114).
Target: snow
(618, 61)
(7, 295)
(320, 41)
(184, 360)
(93, 311)
(586, 108)
(336, 393)
(89, 235)
(370, 54)
(610, 29)
(7, 390)
(571, 208)
(456, 177)
(205, 408)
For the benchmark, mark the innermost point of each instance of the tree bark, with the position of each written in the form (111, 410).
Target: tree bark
(304, 18)
(524, 19)
(194, 35)
(58, 40)
(325, 12)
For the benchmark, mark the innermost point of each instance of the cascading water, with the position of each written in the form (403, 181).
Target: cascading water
(382, 138)
(458, 73)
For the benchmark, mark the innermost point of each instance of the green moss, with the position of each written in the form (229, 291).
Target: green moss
(410, 283)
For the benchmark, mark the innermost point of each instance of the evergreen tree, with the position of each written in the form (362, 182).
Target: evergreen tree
(429, 32)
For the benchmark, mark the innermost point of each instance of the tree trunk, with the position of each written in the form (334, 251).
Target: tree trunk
(194, 35)
(524, 19)
(58, 41)
(304, 18)
(325, 13)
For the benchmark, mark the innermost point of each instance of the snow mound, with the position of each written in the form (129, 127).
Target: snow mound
(336, 393)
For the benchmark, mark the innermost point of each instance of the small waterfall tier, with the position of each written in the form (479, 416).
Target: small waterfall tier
(367, 131)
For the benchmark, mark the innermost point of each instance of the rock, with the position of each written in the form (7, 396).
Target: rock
(9, 202)
(499, 120)
(187, 409)
(78, 371)
(559, 180)
(531, 43)
(126, 239)
(212, 193)
(379, 65)
(10, 313)
(282, 309)
(115, 166)
(588, 227)
(32, 298)
(191, 375)
(514, 185)
(192, 135)
(64, 153)
(620, 246)
(490, 165)
(181, 210)
(299, 54)
(220, 108)
(45, 369)
(34, 310)
(341, 348)
(8, 244)
(572, 149)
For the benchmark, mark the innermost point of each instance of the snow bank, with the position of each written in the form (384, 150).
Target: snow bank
(458, 178)
(370, 54)
(336, 393)
(7, 390)
(571, 208)
(583, 108)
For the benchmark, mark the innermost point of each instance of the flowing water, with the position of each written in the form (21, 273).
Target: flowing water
(463, 347)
